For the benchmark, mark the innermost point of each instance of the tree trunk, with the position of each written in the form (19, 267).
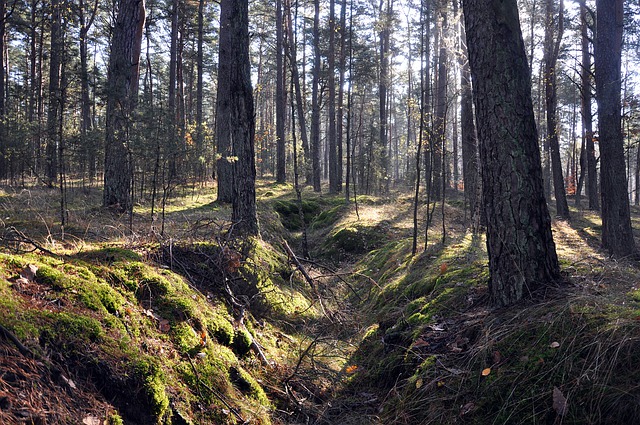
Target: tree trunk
(587, 117)
(122, 90)
(470, 172)
(281, 99)
(440, 119)
(239, 110)
(520, 245)
(617, 235)
(298, 93)
(200, 90)
(551, 51)
(332, 142)
(86, 124)
(383, 84)
(315, 103)
(53, 113)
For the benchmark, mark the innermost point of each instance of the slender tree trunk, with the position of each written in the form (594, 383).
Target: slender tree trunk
(55, 63)
(315, 103)
(341, 82)
(293, 61)
(122, 89)
(385, 12)
(552, 49)
(281, 98)
(334, 186)
(86, 123)
(470, 172)
(587, 117)
(520, 245)
(617, 235)
(224, 148)
(441, 109)
(172, 95)
(200, 91)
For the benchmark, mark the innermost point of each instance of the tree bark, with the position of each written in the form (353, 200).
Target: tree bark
(520, 245)
(617, 235)
(122, 90)
(239, 111)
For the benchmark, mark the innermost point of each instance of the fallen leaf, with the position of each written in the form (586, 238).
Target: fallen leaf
(559, 402)
(440, 384)
(467, 408)
(418, 382)
(91, 420)
(486, 372)
(554, 344)
(351, 369)
(443, 268)
(420, 343)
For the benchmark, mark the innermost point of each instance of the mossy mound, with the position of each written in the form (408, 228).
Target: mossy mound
(156, 347)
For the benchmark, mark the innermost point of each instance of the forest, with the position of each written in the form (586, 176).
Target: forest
(304, 212)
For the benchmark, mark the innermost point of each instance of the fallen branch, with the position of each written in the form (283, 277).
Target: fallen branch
(22, 238)
(297, 262)
(6, 333)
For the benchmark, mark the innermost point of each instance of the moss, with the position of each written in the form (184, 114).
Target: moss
(47, 275)
(248, 385)
(114, 419)
(70, 330)
(184, 337)
(110, 255)
(289, 212)
(153, 377)
(241, 342)
(218, 326)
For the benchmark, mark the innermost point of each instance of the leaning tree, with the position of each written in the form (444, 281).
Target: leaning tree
(522, 255)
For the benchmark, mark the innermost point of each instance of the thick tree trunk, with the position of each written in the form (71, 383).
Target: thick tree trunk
(617, 235)
(551, 51)
(239, 110)
(520, 245)
(224, 143)
(122, 89)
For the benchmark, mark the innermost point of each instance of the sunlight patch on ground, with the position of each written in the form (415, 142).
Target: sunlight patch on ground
(570, 246)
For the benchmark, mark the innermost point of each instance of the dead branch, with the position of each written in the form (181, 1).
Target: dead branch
(7, 334)
(297, 262)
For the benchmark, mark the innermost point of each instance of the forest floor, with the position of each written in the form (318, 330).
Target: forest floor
(117, 319)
